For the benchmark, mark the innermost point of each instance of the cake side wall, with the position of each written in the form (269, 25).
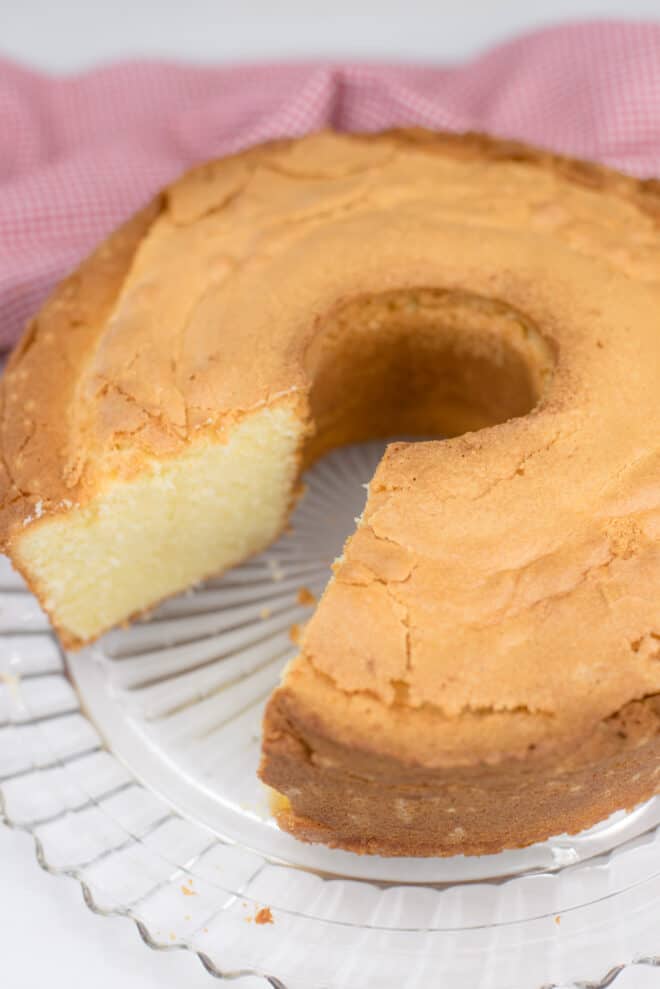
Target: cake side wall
(326, 792)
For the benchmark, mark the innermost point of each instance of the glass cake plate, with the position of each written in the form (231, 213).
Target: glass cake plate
(133, 765)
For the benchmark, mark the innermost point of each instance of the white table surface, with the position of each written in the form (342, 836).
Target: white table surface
(48, 939)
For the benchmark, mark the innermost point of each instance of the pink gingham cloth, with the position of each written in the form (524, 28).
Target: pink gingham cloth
(79, 154)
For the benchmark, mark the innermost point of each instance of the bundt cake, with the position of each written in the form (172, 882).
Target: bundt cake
(483, 669)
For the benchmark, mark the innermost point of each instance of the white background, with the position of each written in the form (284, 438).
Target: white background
(47, 937)
(73, 33)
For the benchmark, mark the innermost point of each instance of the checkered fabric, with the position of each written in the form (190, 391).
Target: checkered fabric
(78, 154)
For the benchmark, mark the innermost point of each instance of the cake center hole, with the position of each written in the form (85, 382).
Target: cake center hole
(423, 362)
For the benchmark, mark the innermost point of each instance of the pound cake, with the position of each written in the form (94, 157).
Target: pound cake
(483, 669)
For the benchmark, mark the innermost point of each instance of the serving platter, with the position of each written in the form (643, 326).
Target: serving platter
(133, 765)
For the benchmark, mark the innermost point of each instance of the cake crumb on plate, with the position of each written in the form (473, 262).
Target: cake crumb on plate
(305, 596)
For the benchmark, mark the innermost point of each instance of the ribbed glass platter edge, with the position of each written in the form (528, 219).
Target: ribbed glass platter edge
(133, 765)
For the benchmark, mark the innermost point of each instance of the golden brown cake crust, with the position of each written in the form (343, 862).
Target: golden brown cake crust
(38, 387)
(495, 615)
(46, 452)
(367, 803)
